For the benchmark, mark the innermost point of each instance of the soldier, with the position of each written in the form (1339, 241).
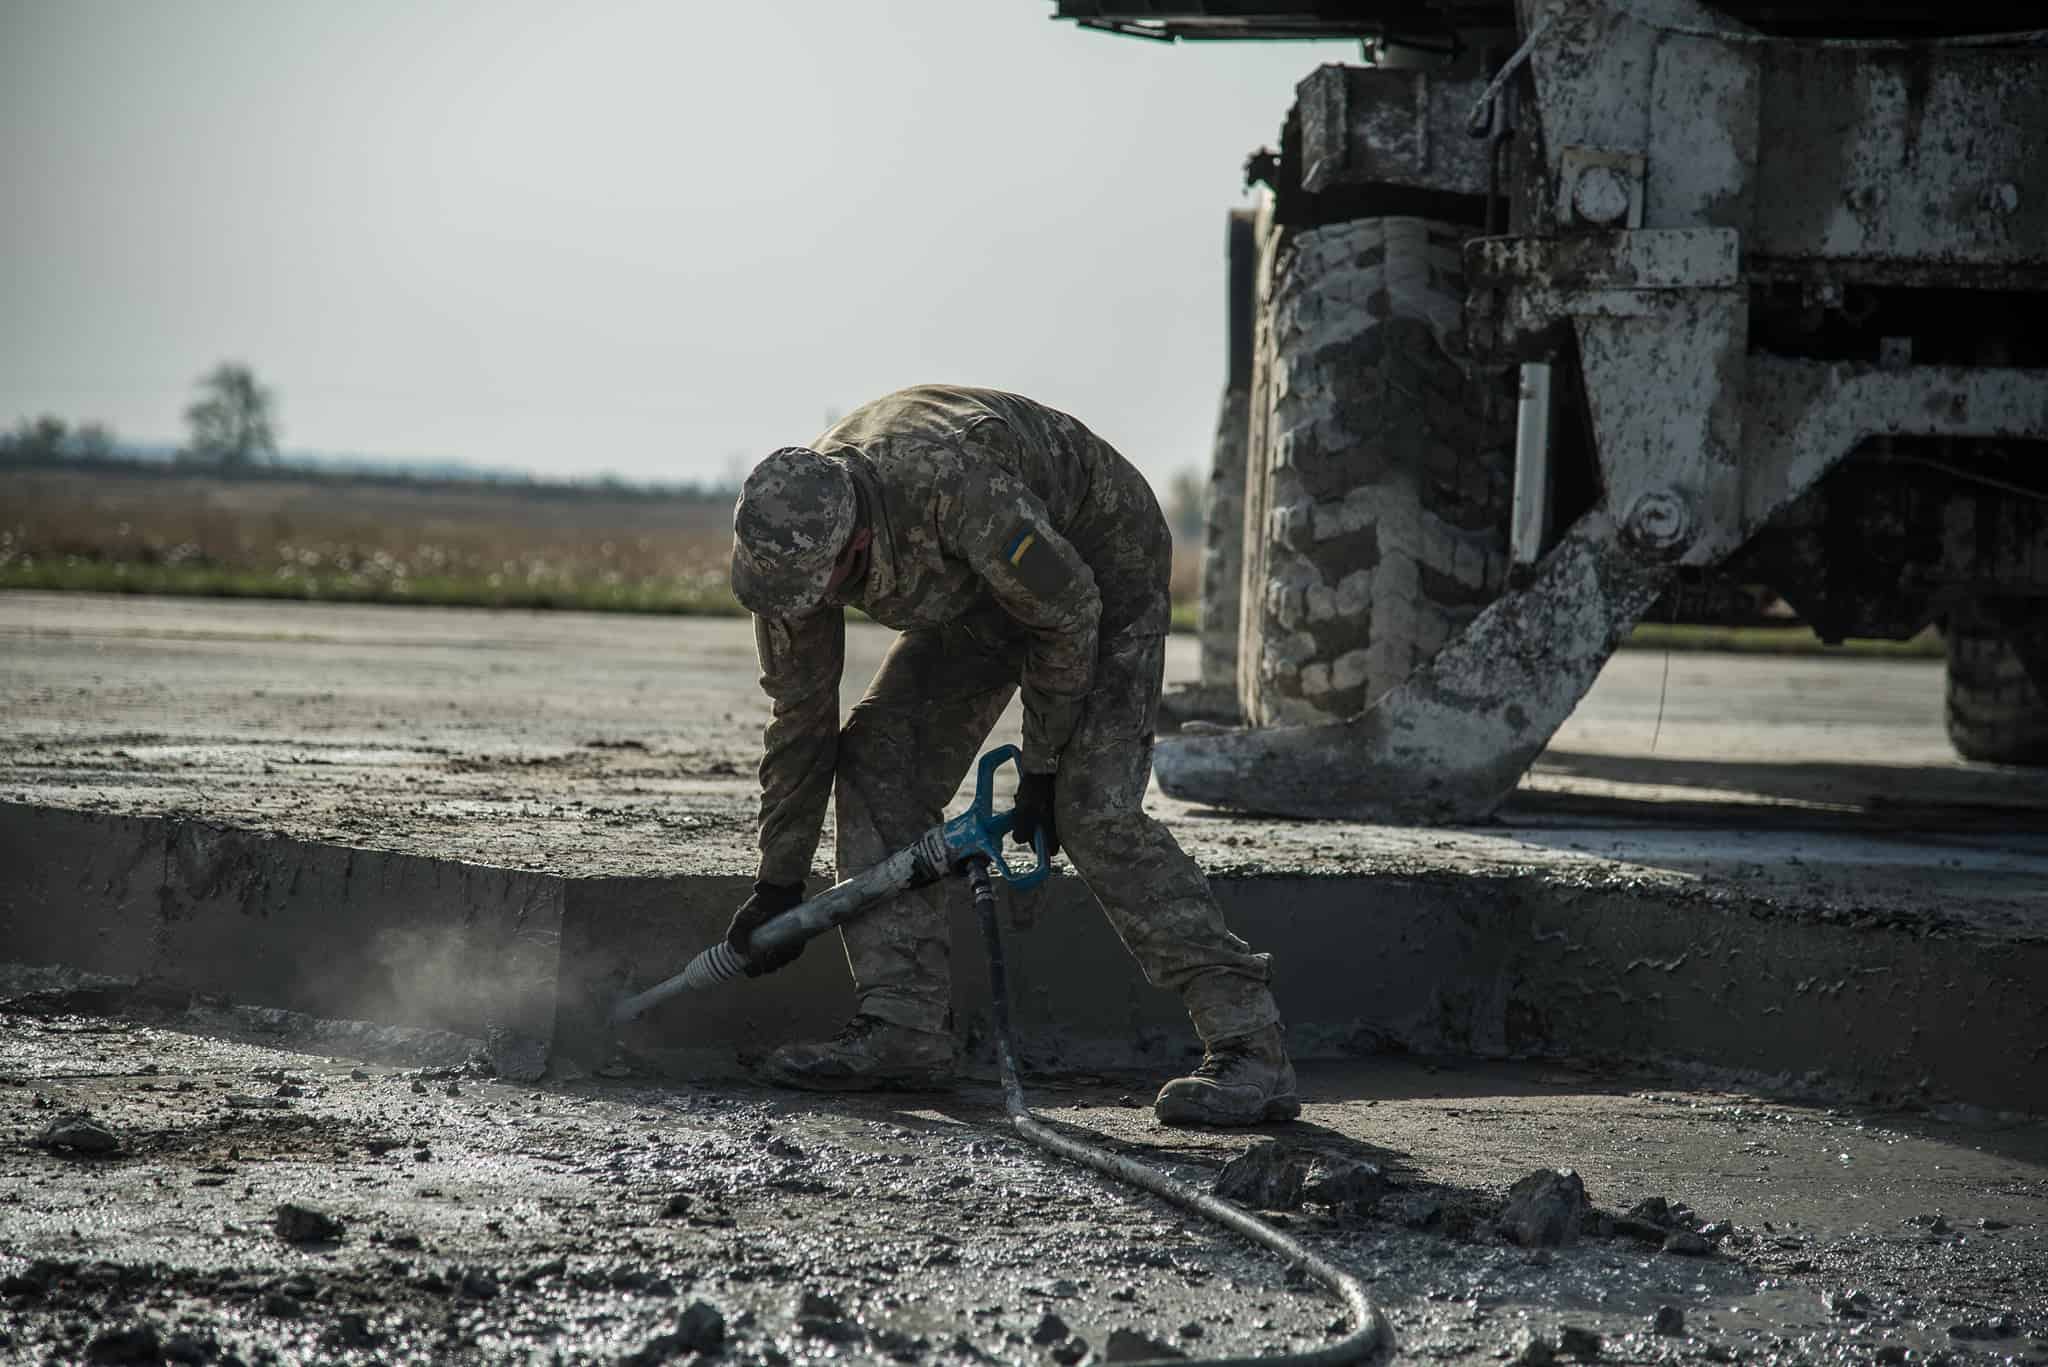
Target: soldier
(1009, 545)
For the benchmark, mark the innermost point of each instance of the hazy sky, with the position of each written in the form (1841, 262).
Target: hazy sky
(650, 238)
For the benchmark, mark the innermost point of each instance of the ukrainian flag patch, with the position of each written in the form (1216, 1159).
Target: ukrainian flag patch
(1038, 569)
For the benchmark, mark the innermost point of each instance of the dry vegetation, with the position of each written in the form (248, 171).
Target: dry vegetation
(359, 540)
(152, 530)
(159, 531)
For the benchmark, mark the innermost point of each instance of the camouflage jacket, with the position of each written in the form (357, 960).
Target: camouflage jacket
(984, 504)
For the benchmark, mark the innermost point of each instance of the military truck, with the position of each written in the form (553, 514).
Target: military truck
(1553, 310)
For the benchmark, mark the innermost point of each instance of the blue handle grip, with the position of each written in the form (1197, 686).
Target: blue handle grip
(980, 829)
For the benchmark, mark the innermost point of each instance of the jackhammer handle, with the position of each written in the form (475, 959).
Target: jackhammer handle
(980, 829)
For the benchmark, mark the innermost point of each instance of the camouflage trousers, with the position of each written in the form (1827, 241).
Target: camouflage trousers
(903, 752)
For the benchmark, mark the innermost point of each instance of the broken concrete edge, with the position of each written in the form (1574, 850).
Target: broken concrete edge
(1499, 965)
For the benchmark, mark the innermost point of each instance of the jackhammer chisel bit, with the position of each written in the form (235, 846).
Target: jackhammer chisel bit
(976, 833)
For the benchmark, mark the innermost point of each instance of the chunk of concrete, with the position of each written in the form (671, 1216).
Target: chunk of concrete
(1271, 1175)
(80, 1133)
(1545, 1209)
(297, 1224)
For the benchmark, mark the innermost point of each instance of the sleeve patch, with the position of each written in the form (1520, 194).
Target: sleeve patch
(1037, 569)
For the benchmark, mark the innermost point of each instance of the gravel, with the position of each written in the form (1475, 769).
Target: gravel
(546, 1221)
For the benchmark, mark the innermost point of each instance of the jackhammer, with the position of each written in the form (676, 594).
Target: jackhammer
(971, 843)
(975, 834)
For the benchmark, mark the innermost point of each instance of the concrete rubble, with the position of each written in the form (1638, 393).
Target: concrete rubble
(297, 1224)
(1271, 1175)
(1545, 1209)
(516, 1222)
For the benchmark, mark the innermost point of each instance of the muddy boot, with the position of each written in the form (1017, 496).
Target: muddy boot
(1241, 1081)
(867, 1055)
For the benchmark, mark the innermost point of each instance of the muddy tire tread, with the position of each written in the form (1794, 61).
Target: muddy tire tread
(1996, 713)
(1369, 407)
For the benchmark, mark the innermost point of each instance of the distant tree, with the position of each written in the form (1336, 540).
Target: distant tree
(92, 441)
(737, 464)
(34, 441)
(1187, 504)
(233, 421)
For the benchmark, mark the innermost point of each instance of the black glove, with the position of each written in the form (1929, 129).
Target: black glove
(1034, 813)
(769, 901)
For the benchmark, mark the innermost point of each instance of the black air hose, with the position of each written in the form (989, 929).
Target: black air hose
(1370, 1338)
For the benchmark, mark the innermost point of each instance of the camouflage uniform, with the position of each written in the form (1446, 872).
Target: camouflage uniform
(1011, 546)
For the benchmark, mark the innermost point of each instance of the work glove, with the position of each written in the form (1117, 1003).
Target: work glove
(1034, 813)
(769, 901)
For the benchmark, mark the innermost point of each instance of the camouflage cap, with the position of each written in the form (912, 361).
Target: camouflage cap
(796, 511)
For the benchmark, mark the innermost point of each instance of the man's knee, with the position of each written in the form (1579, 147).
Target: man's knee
(1094, 835)
(868, 788)
(875, 737)
(1105, 783)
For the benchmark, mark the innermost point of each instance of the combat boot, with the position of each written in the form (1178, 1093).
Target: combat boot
(1241, 1081)
(867, 1055)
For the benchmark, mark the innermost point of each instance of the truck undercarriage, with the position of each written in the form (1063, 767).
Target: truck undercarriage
(1557, 312)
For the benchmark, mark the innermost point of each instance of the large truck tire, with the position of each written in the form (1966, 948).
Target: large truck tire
(1382, 468)
(1997, 712)
(1223, 528)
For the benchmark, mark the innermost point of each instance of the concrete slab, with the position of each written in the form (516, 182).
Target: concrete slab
(1760, 863)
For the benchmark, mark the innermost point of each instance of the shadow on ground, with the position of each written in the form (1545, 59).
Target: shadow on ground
(1809, 795)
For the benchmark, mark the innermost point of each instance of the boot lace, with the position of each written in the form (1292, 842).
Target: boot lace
(857, 1030)
(1220, 1059)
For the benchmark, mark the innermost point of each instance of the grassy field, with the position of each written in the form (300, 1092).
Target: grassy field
(157, 531)
(362, 541)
